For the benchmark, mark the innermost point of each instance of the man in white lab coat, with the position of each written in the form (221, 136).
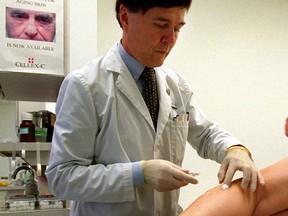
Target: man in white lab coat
(107, 155)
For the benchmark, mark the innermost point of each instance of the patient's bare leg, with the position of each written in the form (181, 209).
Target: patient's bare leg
(217, 202)
(266, 200)
(282, 213)
(273, 197)
(286, 127)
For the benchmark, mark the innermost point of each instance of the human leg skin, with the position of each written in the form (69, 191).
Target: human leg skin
(286, 127)
(272, 198)
(217, 202)
(282, 213)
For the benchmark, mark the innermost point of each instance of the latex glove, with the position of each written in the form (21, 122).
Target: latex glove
(164, 176)
(238, 159)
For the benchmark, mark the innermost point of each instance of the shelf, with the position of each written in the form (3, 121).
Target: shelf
(12, 188)
(27, 151)
(17, 86)
(50, 212)
(10, 146)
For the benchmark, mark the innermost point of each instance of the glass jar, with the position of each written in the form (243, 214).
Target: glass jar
(27, 128)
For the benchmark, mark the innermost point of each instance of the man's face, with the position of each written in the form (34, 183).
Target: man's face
(150, 37)
(30, 25)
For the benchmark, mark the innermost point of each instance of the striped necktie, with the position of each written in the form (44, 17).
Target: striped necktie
(150, 94)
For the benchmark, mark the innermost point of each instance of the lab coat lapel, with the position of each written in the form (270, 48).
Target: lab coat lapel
(164, 103)
(126, 84)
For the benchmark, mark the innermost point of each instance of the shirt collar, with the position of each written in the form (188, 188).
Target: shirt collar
(134, 66)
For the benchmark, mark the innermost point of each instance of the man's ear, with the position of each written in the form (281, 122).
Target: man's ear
(124, 17)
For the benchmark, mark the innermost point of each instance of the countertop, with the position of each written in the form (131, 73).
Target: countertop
(52, 212)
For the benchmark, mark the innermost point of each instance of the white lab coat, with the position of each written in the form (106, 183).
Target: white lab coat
(103, 125)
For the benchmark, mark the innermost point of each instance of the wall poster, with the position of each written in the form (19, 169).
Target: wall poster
(32, 36)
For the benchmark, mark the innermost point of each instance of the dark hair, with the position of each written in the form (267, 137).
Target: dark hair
(145, 5)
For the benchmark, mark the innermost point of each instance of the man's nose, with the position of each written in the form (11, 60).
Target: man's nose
(170, 37)
(31, 28)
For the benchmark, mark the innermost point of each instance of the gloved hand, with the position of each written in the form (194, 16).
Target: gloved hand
(164, 176)
(239, 159)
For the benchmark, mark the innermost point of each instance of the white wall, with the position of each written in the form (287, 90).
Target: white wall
(108, 30)
(234, 54)
(82, 27)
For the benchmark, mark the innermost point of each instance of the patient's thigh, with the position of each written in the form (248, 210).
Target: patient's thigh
(282, 213)
(273, 197)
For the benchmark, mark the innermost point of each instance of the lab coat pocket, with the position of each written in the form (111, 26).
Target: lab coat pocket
(178, 137)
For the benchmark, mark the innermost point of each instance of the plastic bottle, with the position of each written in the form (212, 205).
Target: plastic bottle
(27, 128)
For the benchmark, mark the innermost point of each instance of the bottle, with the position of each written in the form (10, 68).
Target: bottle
(43, 121)
(27, 128)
